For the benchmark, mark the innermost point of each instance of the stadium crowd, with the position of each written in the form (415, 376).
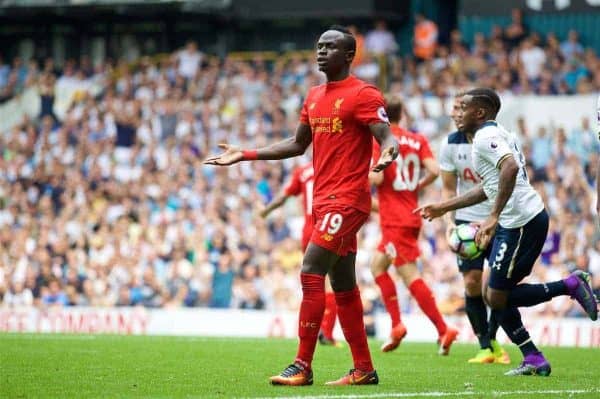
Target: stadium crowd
(110, 204)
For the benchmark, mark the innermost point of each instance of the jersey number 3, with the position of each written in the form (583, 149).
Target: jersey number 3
(405, 181)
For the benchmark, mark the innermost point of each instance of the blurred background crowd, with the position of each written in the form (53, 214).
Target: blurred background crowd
(104, 200)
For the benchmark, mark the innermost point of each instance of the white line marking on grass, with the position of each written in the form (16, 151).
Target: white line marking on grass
(435, 394)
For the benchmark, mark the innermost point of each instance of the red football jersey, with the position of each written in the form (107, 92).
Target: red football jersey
(397, 194)
(339, 115)
(302, 183)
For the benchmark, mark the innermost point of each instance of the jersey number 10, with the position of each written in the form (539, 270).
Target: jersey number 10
(405, 181)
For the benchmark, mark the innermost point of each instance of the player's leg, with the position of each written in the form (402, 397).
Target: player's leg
(420, 290)
(501, 356)
(389, 296)
(513, 254)
(577, 285)
(317, 261)
(329, 317)
(350, 312)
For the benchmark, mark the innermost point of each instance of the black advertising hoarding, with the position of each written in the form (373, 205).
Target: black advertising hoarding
(488, 8)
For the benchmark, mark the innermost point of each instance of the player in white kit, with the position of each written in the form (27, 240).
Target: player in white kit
(458, 176)
(515, 229)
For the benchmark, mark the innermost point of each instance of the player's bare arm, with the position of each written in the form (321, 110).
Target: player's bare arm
(375, 178)
(449, 185)
(287, 148)
(508, 178)
(435, 210)
(276, 203)
(432, 171)
(389, 145)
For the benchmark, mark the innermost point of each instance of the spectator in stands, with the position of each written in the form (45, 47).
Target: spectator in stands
(532, 59)
(425, 37)
(360, 45)
(517, 31)
(571, 48)
(380, 41)
(189, 60)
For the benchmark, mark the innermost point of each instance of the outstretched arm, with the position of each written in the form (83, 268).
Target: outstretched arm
(276, 203)
(471, 197)
(389, 145)
(287, 148)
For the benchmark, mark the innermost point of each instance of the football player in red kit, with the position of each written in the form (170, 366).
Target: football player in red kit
(398, 193)
(340, 118)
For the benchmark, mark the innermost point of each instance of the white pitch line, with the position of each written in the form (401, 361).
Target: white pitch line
(435, 394)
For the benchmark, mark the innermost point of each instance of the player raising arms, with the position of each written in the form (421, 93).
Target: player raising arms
(301, 183)
(339, 118)
(398, 192)
(520, 224)
(458, 177)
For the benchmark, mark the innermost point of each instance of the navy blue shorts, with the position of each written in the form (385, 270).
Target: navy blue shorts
(514, 252)
(464, 265)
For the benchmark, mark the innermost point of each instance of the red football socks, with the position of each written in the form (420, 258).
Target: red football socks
(329, 316)
(311, 314)
(389, 296)
(350, 313)
(421, 292)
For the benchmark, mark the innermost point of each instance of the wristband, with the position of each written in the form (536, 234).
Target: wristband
(250, 155)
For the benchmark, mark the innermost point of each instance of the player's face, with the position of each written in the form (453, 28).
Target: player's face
(456, 113)
(469, 114)
(331, 53)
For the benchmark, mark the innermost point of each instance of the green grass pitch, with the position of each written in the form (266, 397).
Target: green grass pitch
(79, 366)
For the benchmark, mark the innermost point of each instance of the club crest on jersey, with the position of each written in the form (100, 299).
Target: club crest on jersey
(336, 125)
(312, 106)
(382, 114)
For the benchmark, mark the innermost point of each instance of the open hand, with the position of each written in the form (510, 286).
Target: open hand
(486, 231)
(231, 155)
(385, 159)
(430, 211)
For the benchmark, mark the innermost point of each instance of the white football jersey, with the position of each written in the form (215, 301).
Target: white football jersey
(491, 144)
(455, 157)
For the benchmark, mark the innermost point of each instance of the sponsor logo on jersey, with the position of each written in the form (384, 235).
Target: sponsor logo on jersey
(327, 237)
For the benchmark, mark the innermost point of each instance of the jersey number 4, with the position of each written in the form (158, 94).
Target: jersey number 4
(405, 181)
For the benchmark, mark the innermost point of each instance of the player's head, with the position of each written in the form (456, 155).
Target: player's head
(478, 105)
(393, 108)
(335, 50)
(456, 113)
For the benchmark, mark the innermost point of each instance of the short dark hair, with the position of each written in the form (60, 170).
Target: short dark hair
(349, 40)
(393, 107)
(487, 99)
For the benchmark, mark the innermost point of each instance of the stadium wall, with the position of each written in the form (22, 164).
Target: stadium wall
(260, 324)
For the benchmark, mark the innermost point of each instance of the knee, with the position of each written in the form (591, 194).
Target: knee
(472, 285)
(342, 283)
(495, 301)
(310, 267)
